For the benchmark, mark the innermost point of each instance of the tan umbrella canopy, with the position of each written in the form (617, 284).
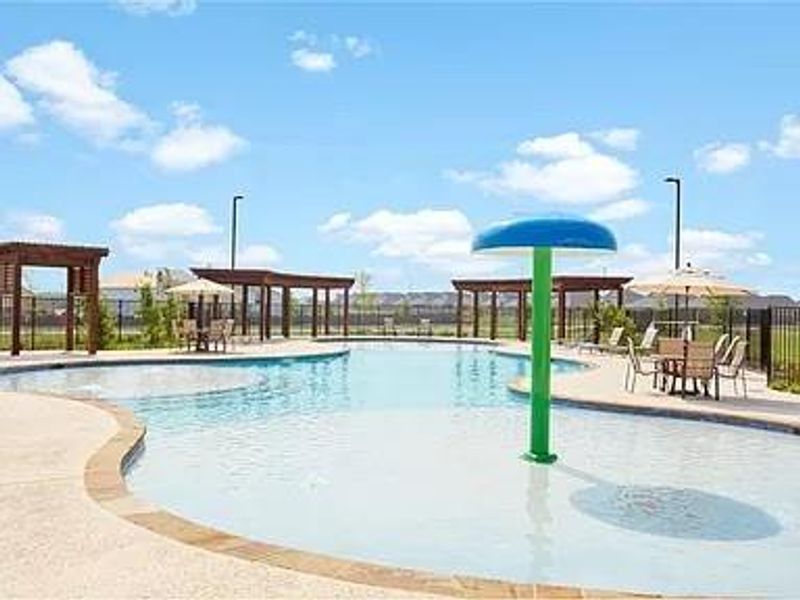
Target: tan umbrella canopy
(689, 281)
(200, 287)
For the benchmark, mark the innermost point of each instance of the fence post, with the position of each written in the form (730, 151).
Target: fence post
(766, 342)
(33, 322)
(119, 320)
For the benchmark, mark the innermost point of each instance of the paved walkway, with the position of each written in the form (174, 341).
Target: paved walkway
(602, 387)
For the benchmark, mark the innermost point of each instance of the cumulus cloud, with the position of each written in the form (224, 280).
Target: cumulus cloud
(563, 168)
(358, 47)
(321, 54)
(166, 220)
(335, 223)
(34, 227)
(77, 93)
(313, 61)
(719, 157)
(192, 144)
(436, 238)
(788, 144)
(619, 138)
(566, 145)
(173, 8)
(620, 210)
(14, 111)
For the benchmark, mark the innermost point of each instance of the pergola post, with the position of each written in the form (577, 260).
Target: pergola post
(327, 313)
(520, 315)
(314, 315)
(526, 316)
(459, 312)
(562, 313)
(346, 311)
(245, 324)
(475, 317)
(596, 325)
(70, 312)
(493, 316)
(286, 312)
(93, 307)
(262, 316)
(620, 297)
(268, 313)
(16, 309)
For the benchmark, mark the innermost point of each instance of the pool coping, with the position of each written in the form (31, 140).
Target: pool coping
(105, 484)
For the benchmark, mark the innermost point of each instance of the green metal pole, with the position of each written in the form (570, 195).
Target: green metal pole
(541, 320)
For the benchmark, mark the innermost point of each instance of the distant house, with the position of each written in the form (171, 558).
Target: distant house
(125, 286)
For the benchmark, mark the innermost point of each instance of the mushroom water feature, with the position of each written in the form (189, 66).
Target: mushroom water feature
(540, 237)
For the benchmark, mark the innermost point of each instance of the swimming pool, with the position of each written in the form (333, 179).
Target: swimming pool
(407, 455)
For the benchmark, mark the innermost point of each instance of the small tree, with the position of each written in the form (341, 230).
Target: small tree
(108, 327)
(610, 316)
(150, 315)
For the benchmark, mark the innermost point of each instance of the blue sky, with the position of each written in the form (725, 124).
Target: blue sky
(381, 137)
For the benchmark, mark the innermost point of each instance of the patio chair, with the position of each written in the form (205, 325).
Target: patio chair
(220, 331)
(614, 340)
(648, 339)
(727, 356)
(721, 348)
(669, 347)
(424, 327)
(699, 367)
(186, 331)
(388, 326)
(735, 370)
(636, 368)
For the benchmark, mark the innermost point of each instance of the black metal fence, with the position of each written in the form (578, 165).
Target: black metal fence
(773, 335)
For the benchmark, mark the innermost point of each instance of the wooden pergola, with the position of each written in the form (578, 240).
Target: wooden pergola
(83, 269)
(266, 280)
(562, 284)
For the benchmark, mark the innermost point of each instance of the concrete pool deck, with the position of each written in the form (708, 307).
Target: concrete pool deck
(60, 506)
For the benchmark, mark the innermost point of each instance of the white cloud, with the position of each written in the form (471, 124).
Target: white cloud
(565, 145)
(335, 223)
(723, 252)
(788, 144)
(34, 227)
(166, 220)
(192, 144)
(313, 61)
(620, 210)
(358, 47)
(14, 111)
(172, 8)
(76, 92)
(569, 171)
(301, 36)
(719, 157)
(436, 238)
(619, 138)
(254, 256)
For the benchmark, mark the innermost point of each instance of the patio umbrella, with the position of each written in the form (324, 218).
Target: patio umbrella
(197, 288)
(689, 281)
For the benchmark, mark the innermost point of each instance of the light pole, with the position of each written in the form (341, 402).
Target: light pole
(234, 212)
(677, 182)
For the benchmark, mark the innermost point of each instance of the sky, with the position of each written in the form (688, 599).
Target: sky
(383, 137)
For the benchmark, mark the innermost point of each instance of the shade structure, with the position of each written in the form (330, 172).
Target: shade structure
(200, 287)
(689, 281)
(539, 237)
(553, 231)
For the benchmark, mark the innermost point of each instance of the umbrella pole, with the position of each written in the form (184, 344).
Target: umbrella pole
(542, 264)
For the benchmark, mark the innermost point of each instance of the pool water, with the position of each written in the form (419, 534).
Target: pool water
(408, 455)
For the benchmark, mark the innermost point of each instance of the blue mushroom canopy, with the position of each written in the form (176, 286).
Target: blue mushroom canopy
(546, 232)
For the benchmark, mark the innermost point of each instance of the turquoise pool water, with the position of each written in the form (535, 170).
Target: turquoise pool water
(407, 455)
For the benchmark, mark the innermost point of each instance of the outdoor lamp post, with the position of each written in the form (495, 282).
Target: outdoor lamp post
(543, 235)
(677, 182)
(234, 214)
